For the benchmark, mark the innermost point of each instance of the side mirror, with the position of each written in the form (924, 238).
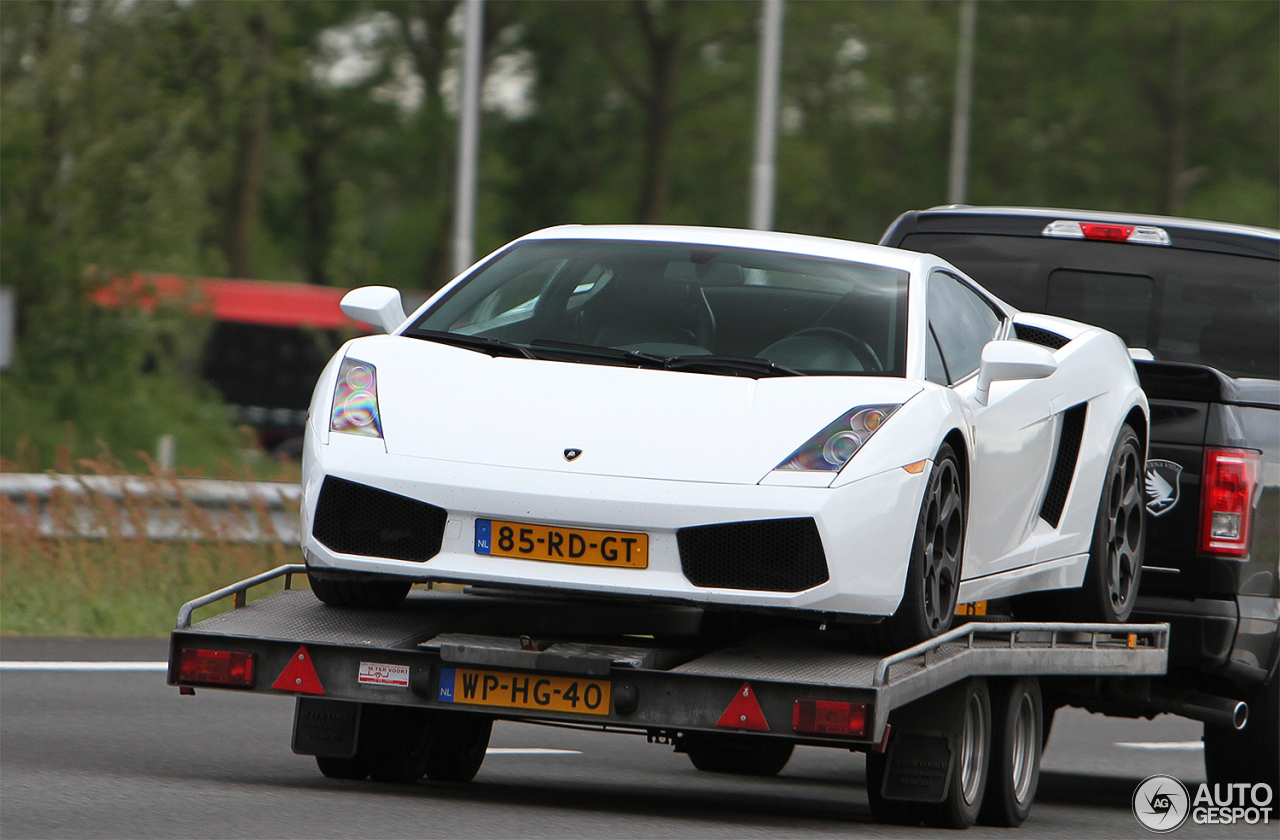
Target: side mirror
(1006, 360)
(377, 305)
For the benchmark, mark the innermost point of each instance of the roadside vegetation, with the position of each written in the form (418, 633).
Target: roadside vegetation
(54, 582)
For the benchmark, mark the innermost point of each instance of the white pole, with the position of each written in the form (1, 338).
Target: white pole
(957, 182)
(468, 138)
(763, 172)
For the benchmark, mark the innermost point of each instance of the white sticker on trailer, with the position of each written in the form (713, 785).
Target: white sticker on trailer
(377, 673)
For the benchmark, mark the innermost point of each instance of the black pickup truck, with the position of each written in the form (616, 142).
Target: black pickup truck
(1197, 303)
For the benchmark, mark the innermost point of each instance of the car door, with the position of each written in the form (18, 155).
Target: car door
(1014, 433)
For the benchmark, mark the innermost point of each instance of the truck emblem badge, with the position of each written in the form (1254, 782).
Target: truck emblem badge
(1162, 486)
(572, 454)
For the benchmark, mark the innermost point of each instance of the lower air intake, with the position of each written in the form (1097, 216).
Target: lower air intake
(353, 518)
(773, 555)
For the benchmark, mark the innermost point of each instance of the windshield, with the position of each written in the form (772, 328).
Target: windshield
(747, 312)
(1216, 309)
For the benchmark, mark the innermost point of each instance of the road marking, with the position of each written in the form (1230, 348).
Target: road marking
(529, 751)
(1161, 745)
(17, 665)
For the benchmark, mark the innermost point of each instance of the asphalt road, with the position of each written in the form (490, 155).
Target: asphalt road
(120, 754)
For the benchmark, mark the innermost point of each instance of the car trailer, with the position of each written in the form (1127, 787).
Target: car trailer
(953, 728)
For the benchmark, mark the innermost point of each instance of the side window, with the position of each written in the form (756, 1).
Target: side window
(962, 322)
(934, 368)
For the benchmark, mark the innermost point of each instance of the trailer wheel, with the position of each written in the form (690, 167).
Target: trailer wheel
(1252, 754)
(1017, 732)
(395, 742)
(352, 769)
(370, 594)
(458, 747)
(738, 754)
(928, 605)
(968, 782)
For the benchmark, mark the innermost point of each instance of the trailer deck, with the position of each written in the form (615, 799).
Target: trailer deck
(631, 667)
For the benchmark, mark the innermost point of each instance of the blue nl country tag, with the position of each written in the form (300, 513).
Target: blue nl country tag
(444, 693)
(483, 527)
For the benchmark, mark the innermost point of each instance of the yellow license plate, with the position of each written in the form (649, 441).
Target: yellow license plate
(562, 545)
(523, 691)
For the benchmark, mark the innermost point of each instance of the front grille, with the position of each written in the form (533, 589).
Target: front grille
(774, 555)
(1064, 466)
(1035, 335)
(352, 518)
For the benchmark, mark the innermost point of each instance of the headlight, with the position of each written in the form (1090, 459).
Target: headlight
(355, 400)
(830, 449)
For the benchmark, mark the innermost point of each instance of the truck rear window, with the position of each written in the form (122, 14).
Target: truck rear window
(1215, 309)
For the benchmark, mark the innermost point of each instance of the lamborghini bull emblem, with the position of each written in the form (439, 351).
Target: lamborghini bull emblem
(1162, 486)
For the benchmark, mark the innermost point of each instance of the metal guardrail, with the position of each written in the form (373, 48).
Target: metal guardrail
(156, 508)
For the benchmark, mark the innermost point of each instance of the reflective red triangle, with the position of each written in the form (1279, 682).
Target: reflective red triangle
(299, 676)
(744, 711)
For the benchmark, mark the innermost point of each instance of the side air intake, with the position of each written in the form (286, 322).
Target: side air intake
(1044, 338)
(353, 518)
(1064, 466)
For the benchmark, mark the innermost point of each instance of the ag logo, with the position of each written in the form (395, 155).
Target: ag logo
(572, 454)
(1161, 804)
(1162, 486)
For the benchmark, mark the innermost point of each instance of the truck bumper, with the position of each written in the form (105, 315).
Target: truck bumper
(1235, 639)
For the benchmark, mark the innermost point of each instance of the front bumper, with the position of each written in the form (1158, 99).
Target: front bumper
(866, 527)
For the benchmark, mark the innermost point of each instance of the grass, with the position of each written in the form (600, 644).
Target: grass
(117, 586)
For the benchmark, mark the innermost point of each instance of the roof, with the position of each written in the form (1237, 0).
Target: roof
(759, 240)
(1105, 216)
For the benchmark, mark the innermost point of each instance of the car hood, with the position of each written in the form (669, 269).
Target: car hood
(447, 403)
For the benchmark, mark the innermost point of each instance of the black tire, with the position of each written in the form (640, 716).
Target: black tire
(1251, 754)
(1119, 536)
(741, 755)
(395, 742)
(368, 594)
(887, 811)
(928, 606)
(1017, 736)
(352, 769)
(458, 746)
(969, 765)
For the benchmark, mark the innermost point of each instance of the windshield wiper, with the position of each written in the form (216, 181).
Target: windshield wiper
(492, 346)
(736, 365)
(647, 359)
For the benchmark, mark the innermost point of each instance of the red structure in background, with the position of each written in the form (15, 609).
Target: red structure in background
(268, 343)
(235, 301)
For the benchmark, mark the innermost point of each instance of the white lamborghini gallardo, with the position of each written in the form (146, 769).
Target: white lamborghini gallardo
(728, 417)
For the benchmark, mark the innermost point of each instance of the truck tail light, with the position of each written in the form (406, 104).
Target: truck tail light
(829, 717)
(1133, 234)
(1226, 501)
(216, 667)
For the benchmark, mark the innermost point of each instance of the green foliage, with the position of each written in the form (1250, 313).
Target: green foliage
(314, 141)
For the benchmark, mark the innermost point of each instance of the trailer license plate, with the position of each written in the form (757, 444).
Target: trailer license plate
(562, 545)
(523, 691)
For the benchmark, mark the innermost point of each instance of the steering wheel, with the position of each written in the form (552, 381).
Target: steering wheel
(865, 354)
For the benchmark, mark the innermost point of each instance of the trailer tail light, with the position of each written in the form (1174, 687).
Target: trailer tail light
(216, 667)
(1133, 234)
(829, 717)
(1226, 501)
